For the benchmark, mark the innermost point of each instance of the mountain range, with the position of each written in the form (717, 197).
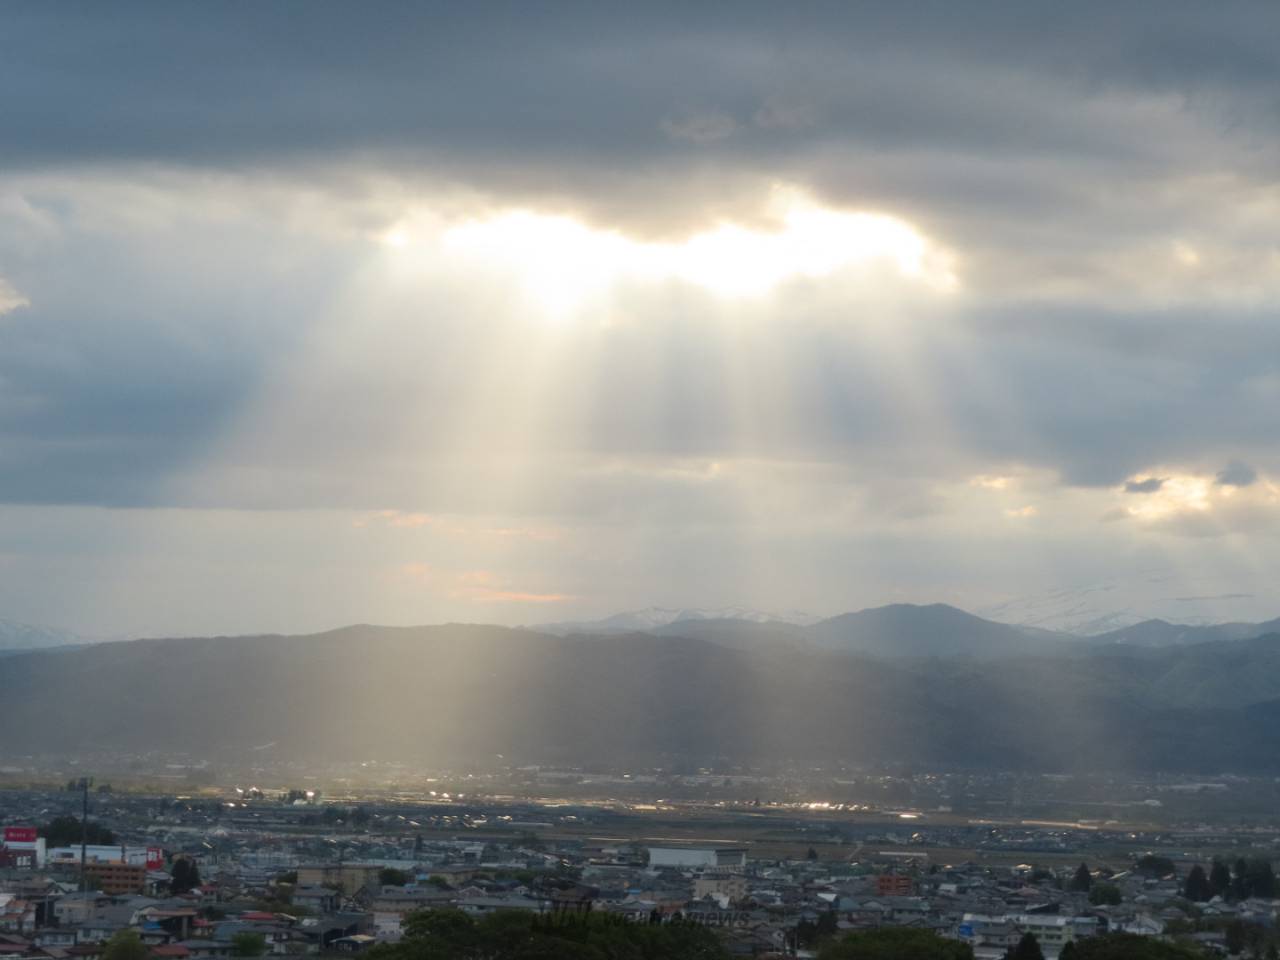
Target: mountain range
(16, 636)
(898, 630)
(893, 630)
(653, 618)
(878, 686)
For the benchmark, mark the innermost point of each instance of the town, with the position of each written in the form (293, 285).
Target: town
(234, 871)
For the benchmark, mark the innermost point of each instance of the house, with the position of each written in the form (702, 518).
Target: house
(356, 943)
(55, 937)
(482, 905)
(207, 948)
(323, 931)
(894, 885)
(321, 900)
(392, 905)
(177, 922)
(97, 931)
(17, 915)
(77, 908)
(720, 884)
(347, 877)
(1144, 925)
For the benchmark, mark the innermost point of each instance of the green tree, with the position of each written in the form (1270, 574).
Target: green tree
(1259, 878)
(1152, 865)
(126, 945)
(895, 943)
(1197, 887)
(1240, 880)
(1082, 879)
(517, 935)
(827, 925)
(184, 876)
(1028, 948)
(1255, 937)
(1219, 879)
(1128, 946)
(1068, 951)
(805, 933)
(65, 832)
(391, 877)
(1235, 933)
(1105, 894)
(246, 943)
(436, 934)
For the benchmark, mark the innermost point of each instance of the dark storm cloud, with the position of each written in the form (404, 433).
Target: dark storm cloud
(1032, 122)
(1237, 474)
(189, 82)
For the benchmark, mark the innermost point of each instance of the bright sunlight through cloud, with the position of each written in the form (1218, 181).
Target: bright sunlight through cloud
(561, 262)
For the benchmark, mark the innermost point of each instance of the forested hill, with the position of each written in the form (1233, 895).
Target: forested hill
(466, 693)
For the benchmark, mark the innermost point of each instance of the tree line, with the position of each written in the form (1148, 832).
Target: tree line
(1250, 877)
(67, 832)
(450, 934)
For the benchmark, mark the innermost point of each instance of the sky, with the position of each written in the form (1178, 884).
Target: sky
(319, 313)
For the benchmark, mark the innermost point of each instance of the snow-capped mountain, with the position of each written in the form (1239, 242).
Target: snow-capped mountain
(27, 636)
(1105, 607)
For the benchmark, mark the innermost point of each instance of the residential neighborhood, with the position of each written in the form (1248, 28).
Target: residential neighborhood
(293, 879)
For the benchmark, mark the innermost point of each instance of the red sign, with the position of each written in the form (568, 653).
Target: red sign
(155, 858)
(19, 834)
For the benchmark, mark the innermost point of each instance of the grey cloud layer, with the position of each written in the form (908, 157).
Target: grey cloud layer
(193, 83)
(1044, 143)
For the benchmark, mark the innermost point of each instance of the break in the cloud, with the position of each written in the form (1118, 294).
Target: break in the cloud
(10, 299)
(664, 305)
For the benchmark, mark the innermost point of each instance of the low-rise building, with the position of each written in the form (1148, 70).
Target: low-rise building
(720, 884)
(347, 877)
(116, 878)
(686, 858)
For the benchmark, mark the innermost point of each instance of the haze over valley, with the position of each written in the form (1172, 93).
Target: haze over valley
(928, 685)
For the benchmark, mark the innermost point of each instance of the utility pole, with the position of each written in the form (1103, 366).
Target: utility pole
(85, 784)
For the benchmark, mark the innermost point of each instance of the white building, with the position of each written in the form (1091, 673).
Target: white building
(150, 857)
(1053, 932)
(697, 858)
(27, 853)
